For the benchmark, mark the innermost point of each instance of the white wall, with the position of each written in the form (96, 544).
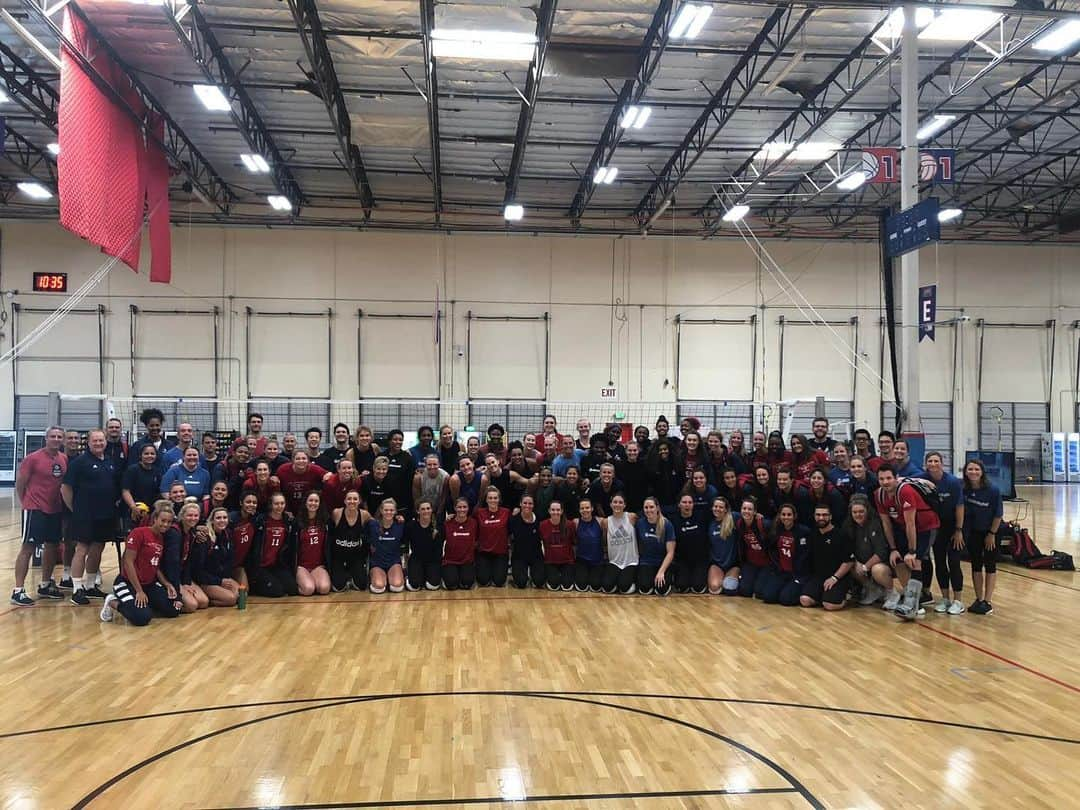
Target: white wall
(656, 280)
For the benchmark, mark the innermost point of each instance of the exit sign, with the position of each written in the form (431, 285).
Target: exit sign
(608, 393)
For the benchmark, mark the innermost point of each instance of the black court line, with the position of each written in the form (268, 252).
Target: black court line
(769, 763)
(566, 797)
(776, 704)
(1003, 570)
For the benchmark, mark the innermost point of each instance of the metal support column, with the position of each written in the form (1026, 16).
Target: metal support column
(909, 195)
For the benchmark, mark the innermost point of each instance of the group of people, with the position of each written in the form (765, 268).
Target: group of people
(811, 521)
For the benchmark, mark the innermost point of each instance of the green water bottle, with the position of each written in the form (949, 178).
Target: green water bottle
(241, 598)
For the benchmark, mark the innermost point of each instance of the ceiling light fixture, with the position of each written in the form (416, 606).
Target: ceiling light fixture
(958, 25)
(851, 180)
(606, 175)
(933, 125)
(690, 21)
(809, 150)
(894, 23)
(635, 117)
(513, 212)
(735, 213)
(3, 97)
(35, 191)
(54, 149)
(949, 214)
(1060, 37)
(255, 164)
(212, 98)
(460, 43)
(279, 202)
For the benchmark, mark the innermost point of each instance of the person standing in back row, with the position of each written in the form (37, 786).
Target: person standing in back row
(89, 490)
(38, 488)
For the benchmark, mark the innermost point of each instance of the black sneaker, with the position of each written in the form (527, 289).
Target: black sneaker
(20, 599)
(988, 609)
(48, 590)
(80, 597)
(95, 593)
(66, 584)
(926, 598)
(980, 607)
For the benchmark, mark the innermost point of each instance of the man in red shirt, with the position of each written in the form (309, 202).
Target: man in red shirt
(38, 487)
(910, 526)
(298, 479)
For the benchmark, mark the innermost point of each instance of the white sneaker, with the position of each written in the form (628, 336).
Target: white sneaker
(956, 608)
(871, 593)
(892, 601)
(410, 586)
(632, 589)
(431, 587)
(107, 611)
(942, 606)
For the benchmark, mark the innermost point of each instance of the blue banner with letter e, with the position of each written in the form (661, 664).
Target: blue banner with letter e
(927, 311)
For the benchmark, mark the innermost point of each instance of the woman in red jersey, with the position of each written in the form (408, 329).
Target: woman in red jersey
(459, 553)
(271, 563)
(312, 575)
(559, 537)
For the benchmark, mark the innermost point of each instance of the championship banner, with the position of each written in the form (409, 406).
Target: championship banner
(881, 164)
(936, 165)
(927, 311)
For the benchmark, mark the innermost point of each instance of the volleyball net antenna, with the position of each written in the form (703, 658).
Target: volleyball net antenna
(517, 417)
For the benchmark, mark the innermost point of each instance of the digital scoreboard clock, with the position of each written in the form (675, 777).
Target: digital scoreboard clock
(50, 282)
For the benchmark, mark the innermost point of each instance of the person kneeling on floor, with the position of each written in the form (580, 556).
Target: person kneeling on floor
(831, 561)
(141, 590)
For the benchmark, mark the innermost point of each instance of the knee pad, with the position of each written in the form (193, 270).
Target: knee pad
(730, 584)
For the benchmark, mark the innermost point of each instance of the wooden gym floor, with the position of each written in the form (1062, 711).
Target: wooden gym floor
(558, 700)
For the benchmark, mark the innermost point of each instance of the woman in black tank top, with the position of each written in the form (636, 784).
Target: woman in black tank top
(347, 552)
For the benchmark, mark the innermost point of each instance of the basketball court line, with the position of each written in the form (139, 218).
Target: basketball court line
(1003, 570)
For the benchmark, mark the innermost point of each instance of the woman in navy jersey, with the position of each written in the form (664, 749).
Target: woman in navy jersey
(589, 554)
(781, 583)
(736, 455)
(699, 488)
(982, 519)
(620, 573)
(558, 536)
(665, 476)
(728, 487)
(272, 560)
(468, 482)
(459, 551)
(656, 545)
(761, 488)
(820, 492)
(187, 528)
(861, 481)
(751, 529)
(212, 561)
(375, 487)
(492, 541)
(425, 549)
(723, 550)
(384, 535)
(312, 575)
(472, 451)
(242, 531)
(526, 549)
(715, 454)
(691, 569)
(347, 549)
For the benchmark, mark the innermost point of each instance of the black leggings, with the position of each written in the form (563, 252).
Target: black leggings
(588, 576)
(343, 568)
(691, 577)
(272, 582)
(424, 573)
(459, 576)
(491, 569)
(778, 588)
(981, 558)
(523, 572)
(619, 580)
(559, 576)
(748, 577)
(947, 564)
(157, 603)
(646, 580)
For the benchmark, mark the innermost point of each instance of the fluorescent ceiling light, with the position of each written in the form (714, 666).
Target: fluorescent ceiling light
(35, 191)
(3, 97)
(635, 117)
(851, 181)
(949, 214)
(54, 149)
(279, 203)
(212, 97)
(459, 43)
(513, 212)
(255, 163)
(606, 175)
(1060, 37)
(690, 21)
(932, 126)
(735, 213)
(959, 24)
(809, 151)
(894, 23)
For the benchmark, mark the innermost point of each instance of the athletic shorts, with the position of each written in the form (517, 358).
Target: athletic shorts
(102, 530)
(814, 587)
(42, 528)
(923, 542)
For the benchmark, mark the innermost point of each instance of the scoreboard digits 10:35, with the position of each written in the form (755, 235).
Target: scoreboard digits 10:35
(50, 282)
